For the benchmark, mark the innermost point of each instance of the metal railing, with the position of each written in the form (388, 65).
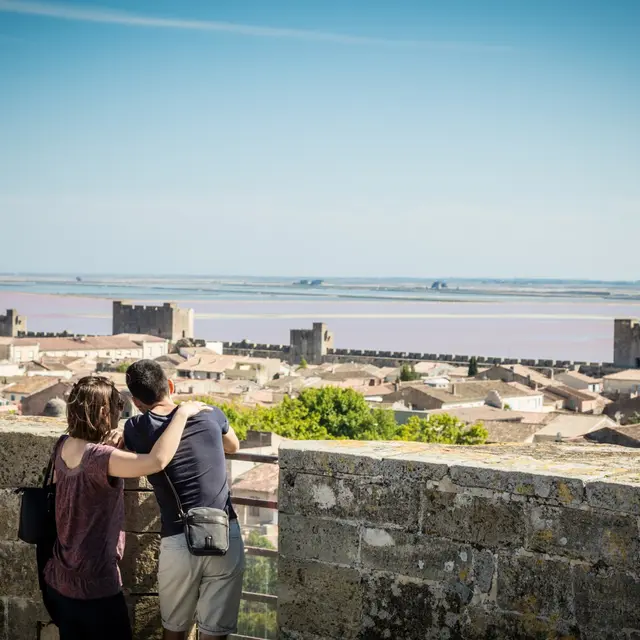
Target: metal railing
(250, 550)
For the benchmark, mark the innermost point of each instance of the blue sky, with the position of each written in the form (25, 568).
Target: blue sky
(406, 138)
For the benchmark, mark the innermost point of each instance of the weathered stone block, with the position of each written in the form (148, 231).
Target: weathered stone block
(361, 458)
(140, 563)
(142, 514)
(535, 585)
(145, 617)
(486, 522)
(484, 568)
(606, 598)
(417, 556)
(551, 487)
(316, 539)
(9, 514)
(591, 535)
(18, 570)
(621, 495)
(487, 623)
(24, 455)
(137, 484)
(49, 632)
(401, 608)
(285, 634)
(319, 599)
(25, 618)
(350, 498)
(312, 495)
(395, 503)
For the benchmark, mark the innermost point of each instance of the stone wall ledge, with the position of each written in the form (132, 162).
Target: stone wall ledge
(580, 475)
(405, 540)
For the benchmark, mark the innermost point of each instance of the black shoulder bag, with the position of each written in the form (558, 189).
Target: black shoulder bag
(38, 522)
(205, 528)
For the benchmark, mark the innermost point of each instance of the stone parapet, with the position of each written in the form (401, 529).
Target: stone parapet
(401, 541)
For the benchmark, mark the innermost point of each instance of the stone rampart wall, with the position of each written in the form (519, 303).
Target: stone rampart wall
(399, 541)
(25, 445)
(397, 358)
(255, 350)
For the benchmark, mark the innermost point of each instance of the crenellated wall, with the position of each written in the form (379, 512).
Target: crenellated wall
(25, 445)
(401, 541)
(397, 358)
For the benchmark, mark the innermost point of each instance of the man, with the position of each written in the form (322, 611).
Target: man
(205, 587)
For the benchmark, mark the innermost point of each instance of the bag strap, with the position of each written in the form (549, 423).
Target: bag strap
(181, 513)
(48, 475)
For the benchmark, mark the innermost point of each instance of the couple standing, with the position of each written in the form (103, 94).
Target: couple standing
(183, 446)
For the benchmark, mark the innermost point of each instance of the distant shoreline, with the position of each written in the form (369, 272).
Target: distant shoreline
(267, 293)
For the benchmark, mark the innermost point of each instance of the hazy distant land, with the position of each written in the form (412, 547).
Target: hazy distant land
(515, 318)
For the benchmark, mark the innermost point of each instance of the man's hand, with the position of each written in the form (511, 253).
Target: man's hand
(193, 408)
(115, 439)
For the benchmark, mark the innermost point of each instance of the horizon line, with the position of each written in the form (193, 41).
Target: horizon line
(110, 16)
(155, 275)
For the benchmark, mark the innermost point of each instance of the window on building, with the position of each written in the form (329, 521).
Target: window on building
(254, 512)
(30, 355)
(13, 398)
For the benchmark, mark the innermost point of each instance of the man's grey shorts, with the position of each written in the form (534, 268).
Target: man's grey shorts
(207, 587)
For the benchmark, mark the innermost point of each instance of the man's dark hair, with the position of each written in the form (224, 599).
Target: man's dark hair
(147, 382)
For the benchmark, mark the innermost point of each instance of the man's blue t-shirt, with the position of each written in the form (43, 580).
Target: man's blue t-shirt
(198, 471)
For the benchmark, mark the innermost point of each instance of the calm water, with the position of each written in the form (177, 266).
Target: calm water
(575, 329)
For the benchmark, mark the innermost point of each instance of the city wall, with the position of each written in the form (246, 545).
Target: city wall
(404, 541)
(398, 358)
(25, 445)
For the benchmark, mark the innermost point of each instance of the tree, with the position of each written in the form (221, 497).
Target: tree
(408, 373)
(441, 428)
(473, 367)
(303, 364)
(342, 413)
(122, 367)
(337, 413)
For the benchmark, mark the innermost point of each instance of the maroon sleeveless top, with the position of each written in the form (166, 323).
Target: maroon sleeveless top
(90, 518)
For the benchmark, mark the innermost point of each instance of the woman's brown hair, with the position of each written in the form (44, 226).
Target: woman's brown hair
(93, 409)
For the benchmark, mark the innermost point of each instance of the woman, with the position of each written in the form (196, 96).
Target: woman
(83, 578)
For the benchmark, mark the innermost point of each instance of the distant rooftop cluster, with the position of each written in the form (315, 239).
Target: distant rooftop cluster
(515, 402)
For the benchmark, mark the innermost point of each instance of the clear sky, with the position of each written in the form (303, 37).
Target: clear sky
(324, 137)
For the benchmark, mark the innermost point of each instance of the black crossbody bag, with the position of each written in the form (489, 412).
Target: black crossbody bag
(205, 528)
(38, 523)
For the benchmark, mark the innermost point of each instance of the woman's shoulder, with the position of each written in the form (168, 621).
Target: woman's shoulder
(97, 456)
